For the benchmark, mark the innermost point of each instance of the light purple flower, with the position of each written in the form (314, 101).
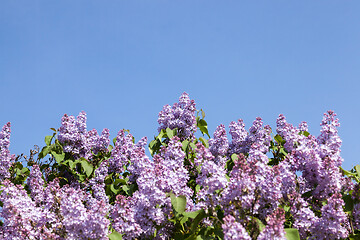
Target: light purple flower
(219, 145)
(234, 230)
(180, 116)
(6, 159)
(275, 226)
(77, 140)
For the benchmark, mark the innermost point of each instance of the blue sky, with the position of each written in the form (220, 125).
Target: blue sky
(121, 61)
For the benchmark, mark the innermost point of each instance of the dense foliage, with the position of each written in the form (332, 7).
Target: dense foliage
(256, 184)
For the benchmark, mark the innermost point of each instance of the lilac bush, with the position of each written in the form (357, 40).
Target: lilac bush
(238, 184)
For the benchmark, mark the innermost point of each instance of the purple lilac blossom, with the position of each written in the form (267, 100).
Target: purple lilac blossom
(329, 150)
(329, 139)
(304, 217)
(79, 221)
(77, 140)
(22, 218)
(123, 216)
(122, 151)
(97, 183)
(211, 178)
(149, 204)
(333, 223)
(260, 135)
(288, 132)
(181, 116)
(242, 140)
(356, 216)
(275, 226)
(128, 154)
(60, 213)
(239, 135)
(6, 159)
(36, 184)
(102, 142)
(270, 192)
(241, 188)
(287, 179)
(202, 154)
(219, 145)
(171, 174)
(234, 230)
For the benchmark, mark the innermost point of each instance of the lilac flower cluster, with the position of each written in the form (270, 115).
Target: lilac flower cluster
(51, 212)
(244, 194)
(147, 209)
(234, 230)
(243, 140)
(6, 159)
(77, 140)
(180, 116)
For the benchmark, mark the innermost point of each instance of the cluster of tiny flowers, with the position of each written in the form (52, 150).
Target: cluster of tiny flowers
(234, 177)
(77, 140)
(274, 228)
(219, 145)
(6, 159)
(50, 212)
(180, 116)
(243, 140)
(234, 230)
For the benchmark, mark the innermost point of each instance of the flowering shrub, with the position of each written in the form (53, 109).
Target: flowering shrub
(256, 184)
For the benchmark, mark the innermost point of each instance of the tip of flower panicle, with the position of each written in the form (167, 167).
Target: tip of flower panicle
(331, 112)
(7, 126)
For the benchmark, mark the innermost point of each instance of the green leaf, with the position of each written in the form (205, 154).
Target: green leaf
(25, 170)
(161, 134)
(44, 151)
(178, 203)
(292, 234)
(88, 168)
(279, 139)
(349, 203)
(169, 133)
(183, 220)
(71, 164)
(202, 125)
(53, 129)
(58, 157)
(115, 236)
(234, 157)
(282, 150)
(185, 144)
(260, 225)
(192, 214)
(197, 220)
(126, 189)
(117, 181)
(110, 147)
(204, 141)
(357, 168)
(305, 133)
(48, 140)
(202, 113)
(192, 145)
(354, 237)
(197, 188)
(114, 190)
(81, 177)
(348, 173)
(191, 237)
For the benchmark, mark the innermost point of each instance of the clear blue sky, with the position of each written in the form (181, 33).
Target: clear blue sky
(121, 61)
